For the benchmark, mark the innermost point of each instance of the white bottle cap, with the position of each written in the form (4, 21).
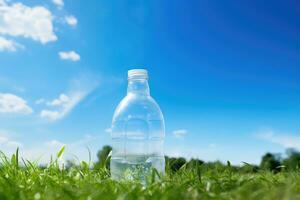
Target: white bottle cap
(137, 74)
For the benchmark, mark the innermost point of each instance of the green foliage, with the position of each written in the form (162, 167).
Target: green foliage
(103, 157)
(175, 163)
(292, 162)
(248, 168)
(270, 162)
(61, 152)
(194, 179)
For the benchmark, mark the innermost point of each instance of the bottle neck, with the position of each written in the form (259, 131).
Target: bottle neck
(138, 86)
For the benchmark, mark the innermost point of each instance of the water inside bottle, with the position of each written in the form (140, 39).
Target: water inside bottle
(136, 167)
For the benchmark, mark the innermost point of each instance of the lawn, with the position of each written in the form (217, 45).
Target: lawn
(21, 179)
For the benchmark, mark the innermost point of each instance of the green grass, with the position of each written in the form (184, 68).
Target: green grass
(21, 179)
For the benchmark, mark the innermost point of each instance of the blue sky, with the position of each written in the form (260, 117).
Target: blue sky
(226, 74)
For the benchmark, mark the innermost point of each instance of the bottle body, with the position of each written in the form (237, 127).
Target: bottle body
(138, 132)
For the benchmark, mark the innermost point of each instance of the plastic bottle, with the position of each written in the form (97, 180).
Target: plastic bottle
(138, 132)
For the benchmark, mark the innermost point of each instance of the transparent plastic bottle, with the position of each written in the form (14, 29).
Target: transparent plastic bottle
(138, 132)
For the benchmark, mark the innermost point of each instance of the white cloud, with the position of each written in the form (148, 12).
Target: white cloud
(62, 99)
(52, 115)
(10, 103)
(284, 140)
(3, 139)
(71, 55)
(28, 22)
(180, 133)
(9, 45)
(43, 152)
(7, 142)
(54, 143)
(59, 3)
(2, 2)
(71, 20)
(74, 149)
(108, 130)
(14, 144)
(65, 104)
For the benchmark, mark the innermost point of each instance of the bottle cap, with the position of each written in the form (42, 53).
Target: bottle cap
(137, 74)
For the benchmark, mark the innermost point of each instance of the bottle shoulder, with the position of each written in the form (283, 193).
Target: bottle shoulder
(137, 106)
(137, 118)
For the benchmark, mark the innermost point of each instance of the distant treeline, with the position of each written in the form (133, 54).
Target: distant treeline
(270, 162)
